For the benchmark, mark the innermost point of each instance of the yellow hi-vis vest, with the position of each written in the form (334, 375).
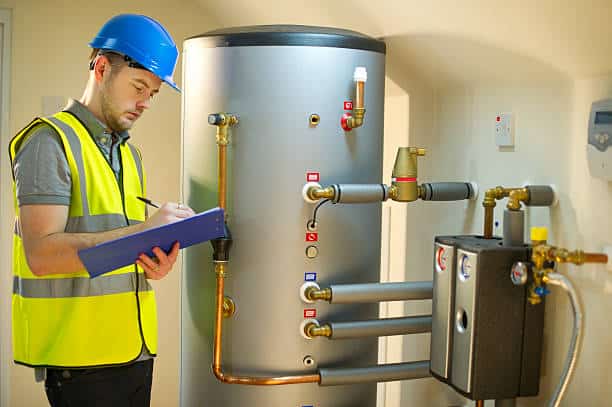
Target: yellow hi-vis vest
(71, 320)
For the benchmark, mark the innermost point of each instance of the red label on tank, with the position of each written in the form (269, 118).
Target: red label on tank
(312, 177)
(312, 237)
(348, 105)
(310, 313)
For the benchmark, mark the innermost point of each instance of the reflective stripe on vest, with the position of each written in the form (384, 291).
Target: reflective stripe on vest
(80, 286)
(70, 320)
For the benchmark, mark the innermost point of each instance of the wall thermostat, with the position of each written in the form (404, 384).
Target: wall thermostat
(599, 144)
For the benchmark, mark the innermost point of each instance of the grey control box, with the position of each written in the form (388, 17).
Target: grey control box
(493, 346)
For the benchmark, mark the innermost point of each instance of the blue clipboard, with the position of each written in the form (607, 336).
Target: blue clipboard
(124, 251)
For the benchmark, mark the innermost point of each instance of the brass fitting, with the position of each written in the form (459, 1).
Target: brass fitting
(314, 294)
(315, 193)
(313, 329)
(515, 198)
(223, 121)
(220, 269)
(350, 121)
(229, 307)
(543, 254)
(492, 195)
(404, 187)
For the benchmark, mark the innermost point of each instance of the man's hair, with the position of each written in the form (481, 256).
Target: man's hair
(114, 59)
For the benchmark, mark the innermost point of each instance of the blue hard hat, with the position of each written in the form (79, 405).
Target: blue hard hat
(142, 39)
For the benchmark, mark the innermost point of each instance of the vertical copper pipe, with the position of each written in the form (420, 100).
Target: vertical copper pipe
(220, 271)
(222, 171)
(488, 222)
(359, 95)
(479, 403)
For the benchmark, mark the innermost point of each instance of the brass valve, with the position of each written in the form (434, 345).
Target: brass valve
(545, 256)
(404, 187)
(223, 121)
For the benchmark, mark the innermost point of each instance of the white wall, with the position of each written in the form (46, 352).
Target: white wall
(49, 60)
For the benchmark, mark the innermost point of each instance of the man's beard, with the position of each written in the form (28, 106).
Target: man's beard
(112, 115)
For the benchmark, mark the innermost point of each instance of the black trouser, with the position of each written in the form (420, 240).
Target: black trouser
(120, 386)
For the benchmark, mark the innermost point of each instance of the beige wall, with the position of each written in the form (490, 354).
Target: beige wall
(49, 60)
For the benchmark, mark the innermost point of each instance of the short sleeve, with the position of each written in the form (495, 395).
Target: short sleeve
(42, 174)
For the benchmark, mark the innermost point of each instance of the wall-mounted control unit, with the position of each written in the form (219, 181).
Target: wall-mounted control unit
(599, 143)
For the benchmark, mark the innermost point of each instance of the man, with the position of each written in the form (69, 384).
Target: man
(76, 182)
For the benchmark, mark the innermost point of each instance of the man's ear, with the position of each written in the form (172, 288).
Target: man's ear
(101, 67)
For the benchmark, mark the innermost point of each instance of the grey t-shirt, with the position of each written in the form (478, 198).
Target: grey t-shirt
(42, 173)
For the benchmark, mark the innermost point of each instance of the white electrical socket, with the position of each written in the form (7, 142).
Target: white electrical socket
(504, 130)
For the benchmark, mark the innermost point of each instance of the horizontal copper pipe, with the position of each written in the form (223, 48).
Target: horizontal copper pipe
(595, 258)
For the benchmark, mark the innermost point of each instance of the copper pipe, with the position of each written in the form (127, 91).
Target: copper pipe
(595, 258)
(220, 270)
(359, 95)
(222, 176)
(229, 378)
(488, 222)
(479, 403)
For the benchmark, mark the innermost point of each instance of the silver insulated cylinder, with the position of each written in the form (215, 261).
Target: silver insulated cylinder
(275, 78)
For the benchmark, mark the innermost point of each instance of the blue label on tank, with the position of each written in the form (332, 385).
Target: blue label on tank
(310, 277)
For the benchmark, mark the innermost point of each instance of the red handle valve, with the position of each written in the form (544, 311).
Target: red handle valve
(344, 121)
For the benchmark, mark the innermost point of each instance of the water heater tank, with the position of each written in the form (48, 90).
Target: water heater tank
(289, 87)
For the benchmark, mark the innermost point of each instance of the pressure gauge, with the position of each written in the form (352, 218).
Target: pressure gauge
(441, 259)
(519, 273)
(465, 267)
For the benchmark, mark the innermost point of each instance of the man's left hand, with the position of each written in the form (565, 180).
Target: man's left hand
(158, 267)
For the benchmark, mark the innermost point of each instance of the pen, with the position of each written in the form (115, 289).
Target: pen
(148, 201)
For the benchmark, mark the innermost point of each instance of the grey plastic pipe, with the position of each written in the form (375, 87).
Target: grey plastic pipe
(514, 228)
(359, 193)
(381, 327)
(381, 373)
(574, 348)
(378, 292)
(540, 195)
(447, 191)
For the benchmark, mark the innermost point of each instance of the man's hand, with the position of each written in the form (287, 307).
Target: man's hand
(158, 267)
(168, 213)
